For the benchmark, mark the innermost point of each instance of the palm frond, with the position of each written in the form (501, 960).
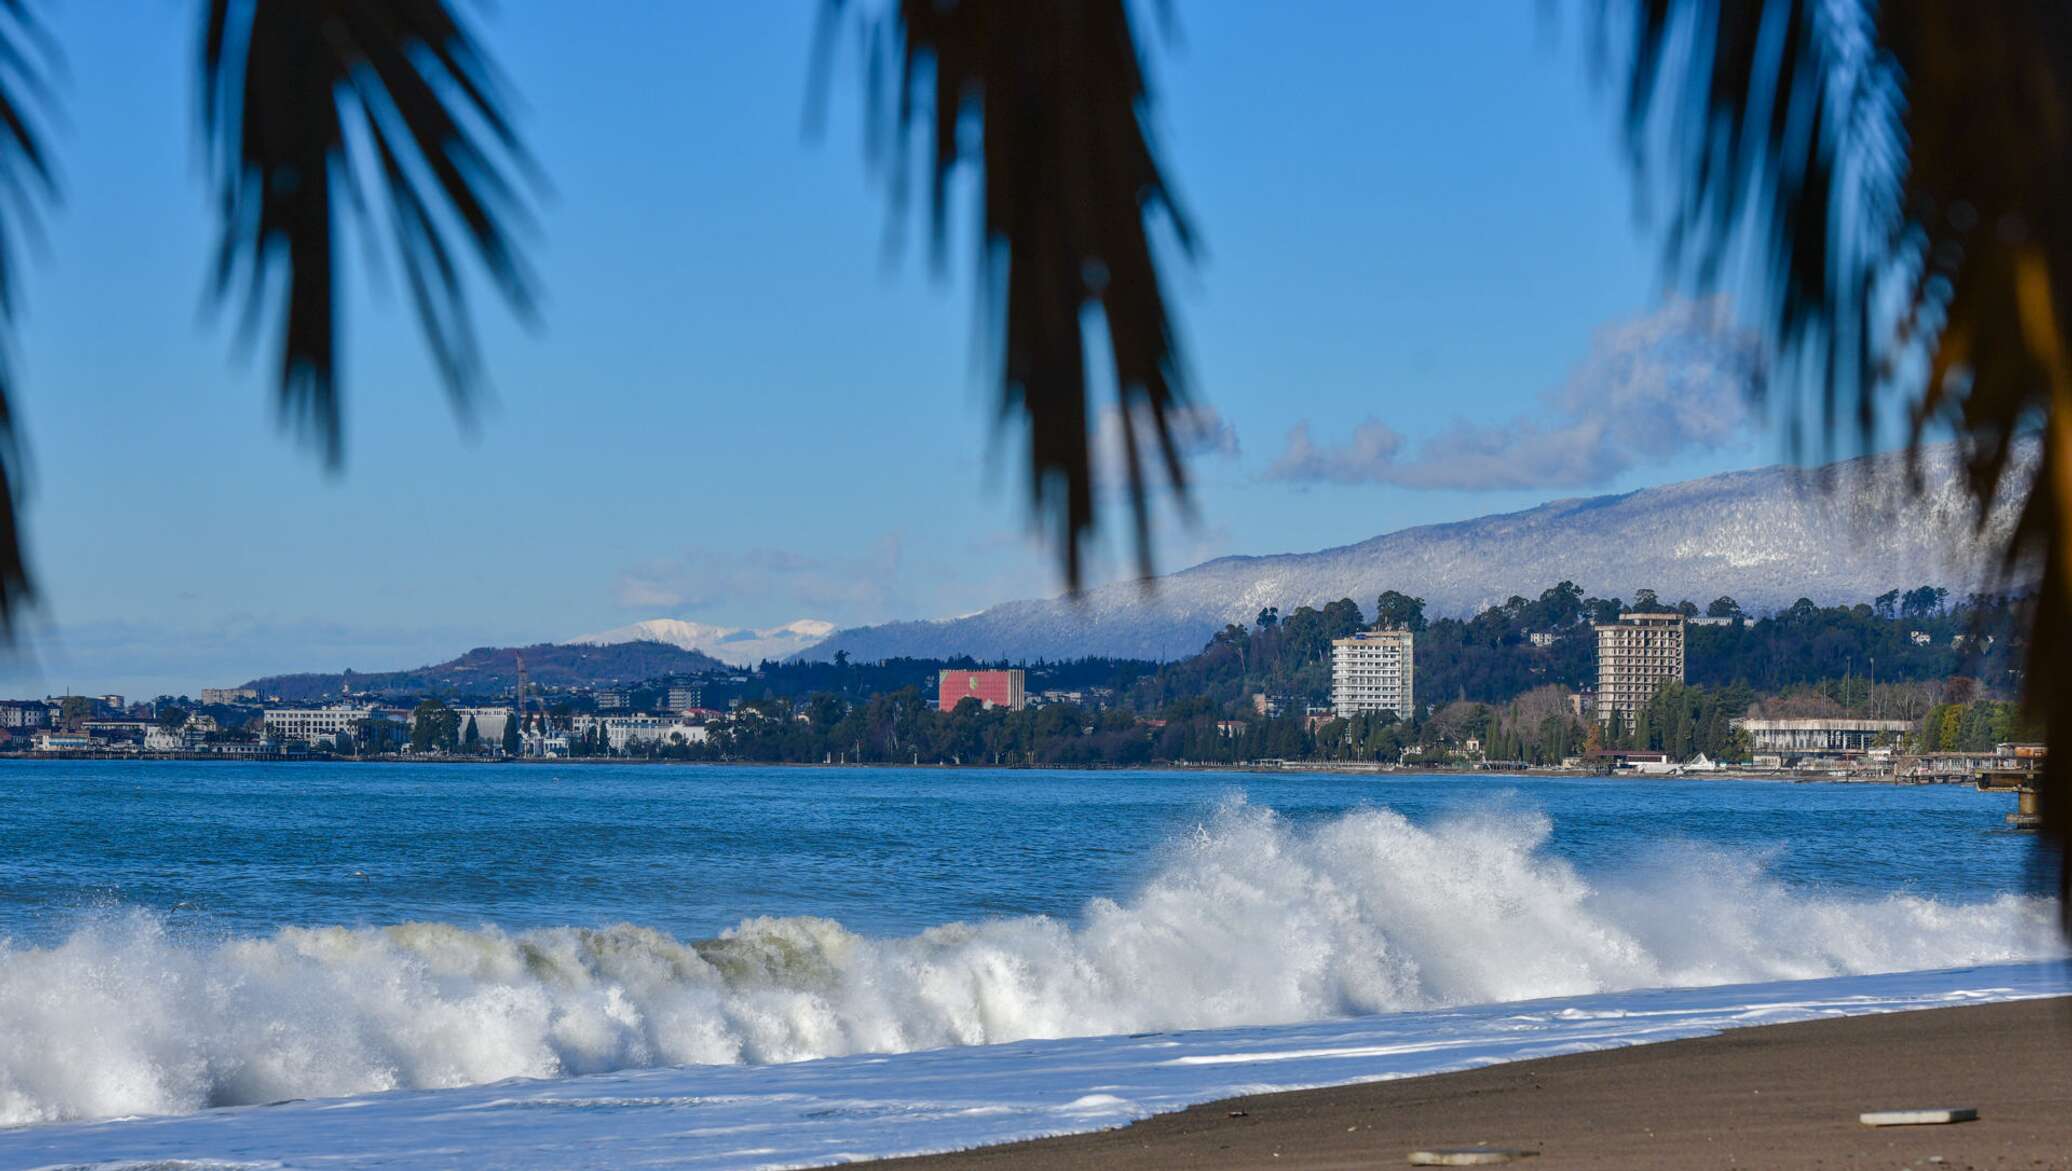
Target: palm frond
(1910, 153)
(26, 184)
(288, 88)
(1070, 186)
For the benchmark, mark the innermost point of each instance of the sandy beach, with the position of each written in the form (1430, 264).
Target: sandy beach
(1781, 1096)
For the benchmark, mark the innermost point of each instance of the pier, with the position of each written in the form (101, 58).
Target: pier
(2020, 772)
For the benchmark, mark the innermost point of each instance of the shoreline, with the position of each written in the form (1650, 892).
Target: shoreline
(1767, 1096)
(1344, 768)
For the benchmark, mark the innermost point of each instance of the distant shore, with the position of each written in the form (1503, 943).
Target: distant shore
(1776, 1096)
(1348, 768)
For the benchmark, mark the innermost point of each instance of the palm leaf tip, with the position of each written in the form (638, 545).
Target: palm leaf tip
(1070, 188)
(26, 57)
(307, 103)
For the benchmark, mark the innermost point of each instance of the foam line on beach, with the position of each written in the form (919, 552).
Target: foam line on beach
(843, 1109)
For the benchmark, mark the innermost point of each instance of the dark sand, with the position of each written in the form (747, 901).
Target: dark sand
(1780, 1096)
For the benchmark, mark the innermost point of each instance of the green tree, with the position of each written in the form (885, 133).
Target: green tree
(171, 718)
(74, 710)
(511, 741)
(433, 726)
(1395, 610)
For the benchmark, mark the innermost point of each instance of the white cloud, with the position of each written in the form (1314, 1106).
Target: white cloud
(859, 587)
(1199, 432)
(1673, 382)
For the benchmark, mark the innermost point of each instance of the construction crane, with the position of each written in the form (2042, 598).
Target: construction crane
(520, 716)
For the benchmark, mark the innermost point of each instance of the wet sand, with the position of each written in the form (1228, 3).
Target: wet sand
(1779, 1096)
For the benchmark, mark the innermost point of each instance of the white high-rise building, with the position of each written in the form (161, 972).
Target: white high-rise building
(1373, 672)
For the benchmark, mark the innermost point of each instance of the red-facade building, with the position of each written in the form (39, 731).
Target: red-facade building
(991, 688)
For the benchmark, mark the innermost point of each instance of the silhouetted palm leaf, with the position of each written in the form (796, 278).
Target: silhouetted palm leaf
(1070, 184)
(301, 96)
(1911, 153)
(25, 184)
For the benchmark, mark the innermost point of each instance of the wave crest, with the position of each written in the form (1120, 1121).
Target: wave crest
(1249, 922)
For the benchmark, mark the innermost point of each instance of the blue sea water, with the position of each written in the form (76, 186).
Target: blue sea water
(693, 850)
(179, 938)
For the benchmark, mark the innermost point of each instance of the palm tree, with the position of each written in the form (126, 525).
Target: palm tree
(1863, 156)
(1899, 173)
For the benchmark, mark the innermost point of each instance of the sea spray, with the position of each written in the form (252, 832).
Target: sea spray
(1248, 921)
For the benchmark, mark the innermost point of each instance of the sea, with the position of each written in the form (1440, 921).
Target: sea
(216, 965)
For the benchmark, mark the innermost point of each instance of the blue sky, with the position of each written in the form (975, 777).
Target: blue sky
(741, 408)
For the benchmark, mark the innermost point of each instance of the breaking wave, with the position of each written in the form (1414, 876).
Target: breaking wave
(1248, 921)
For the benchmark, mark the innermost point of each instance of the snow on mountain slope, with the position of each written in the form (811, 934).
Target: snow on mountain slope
(1766, 537)
(738, 646)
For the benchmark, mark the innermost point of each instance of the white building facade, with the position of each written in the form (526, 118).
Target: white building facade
(1824, 737)
(1636, 657)
(1374, 671)
(314, 725)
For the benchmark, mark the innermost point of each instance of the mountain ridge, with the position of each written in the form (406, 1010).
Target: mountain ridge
(735, 645)
(489, 670)
(1765, 536)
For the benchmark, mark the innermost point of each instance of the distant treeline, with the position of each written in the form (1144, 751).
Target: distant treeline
(1498, 682)
(1494, 656)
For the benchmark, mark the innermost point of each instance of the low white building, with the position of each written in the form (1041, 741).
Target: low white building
(1825, 737)
(320, 725)
(624, 732)
(53, 740)
(489, 722)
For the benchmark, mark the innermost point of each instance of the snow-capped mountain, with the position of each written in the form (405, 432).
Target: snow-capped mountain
(734, 645)
(1765, 537)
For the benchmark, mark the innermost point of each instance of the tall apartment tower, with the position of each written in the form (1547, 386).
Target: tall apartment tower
(1372, 672)
(1635, 656)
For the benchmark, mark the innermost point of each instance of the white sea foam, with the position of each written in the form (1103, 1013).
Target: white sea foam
(1248, 922)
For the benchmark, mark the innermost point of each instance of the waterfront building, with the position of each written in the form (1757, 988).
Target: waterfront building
(24, 715)
(991, 688)
(52, 740)
(1825, 737)
(189, 737)
(612, 701)
(315, 725)
(1636, 656)
(686, 696)
(625, 733)
(489, 722)
(1374, 671)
